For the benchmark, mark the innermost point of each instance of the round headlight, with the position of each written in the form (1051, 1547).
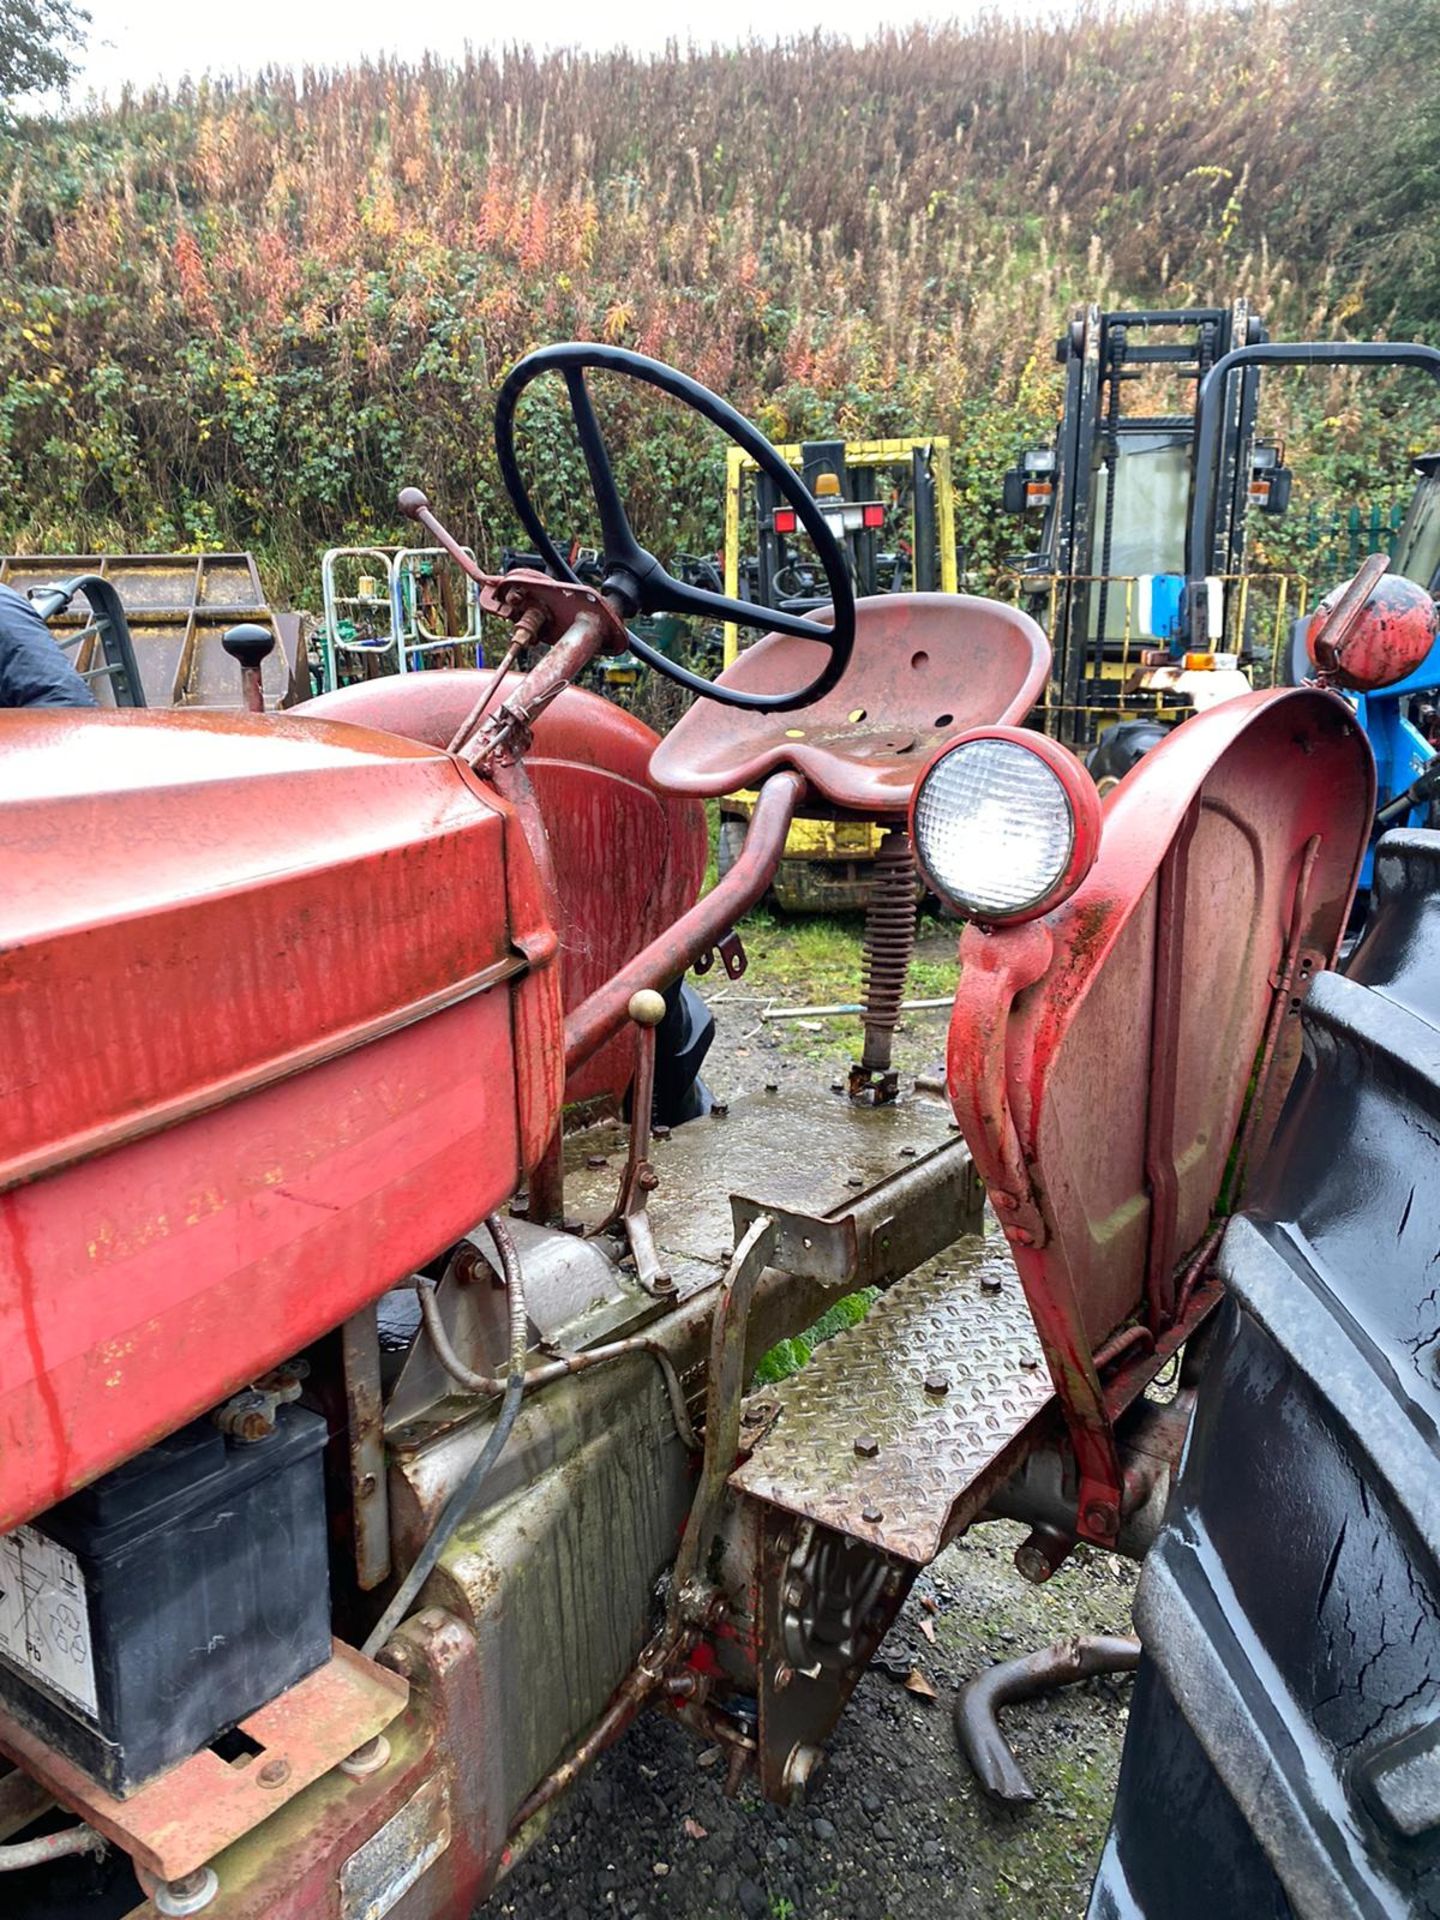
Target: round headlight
(1005, 824)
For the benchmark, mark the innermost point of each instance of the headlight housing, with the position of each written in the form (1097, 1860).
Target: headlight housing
(1005, 823)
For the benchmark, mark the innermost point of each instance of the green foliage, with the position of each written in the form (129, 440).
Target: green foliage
(34, 36)
(788, 1356)
(1379, 184)
(247, 314)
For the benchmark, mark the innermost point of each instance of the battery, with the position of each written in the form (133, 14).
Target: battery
(144, 1616)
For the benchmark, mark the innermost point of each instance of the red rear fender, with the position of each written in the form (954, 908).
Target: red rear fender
(1115, 1065)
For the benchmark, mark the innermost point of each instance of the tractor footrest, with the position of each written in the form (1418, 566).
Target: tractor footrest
(899, 1429)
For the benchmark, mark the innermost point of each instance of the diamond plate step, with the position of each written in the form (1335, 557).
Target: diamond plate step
(862, 1444)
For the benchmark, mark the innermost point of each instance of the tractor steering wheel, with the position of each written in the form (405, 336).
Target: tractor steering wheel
(636, 577)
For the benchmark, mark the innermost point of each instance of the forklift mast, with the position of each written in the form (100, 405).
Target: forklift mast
(1115, 488)
(890, 502)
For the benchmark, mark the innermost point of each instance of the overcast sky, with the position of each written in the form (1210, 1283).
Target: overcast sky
(140, 41)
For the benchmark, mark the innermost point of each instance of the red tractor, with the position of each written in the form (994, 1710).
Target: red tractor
(355, 1491)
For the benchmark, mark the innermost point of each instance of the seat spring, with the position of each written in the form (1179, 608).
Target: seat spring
(889, 944)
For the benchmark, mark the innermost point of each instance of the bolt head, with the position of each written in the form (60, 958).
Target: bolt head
(368, 1759)
(1031, 1565)
(1101, 1517)
(647, 1007)
(937, 1383)
(872, 1516)
(191, 1894)
(275, 1772)
(867, 1446)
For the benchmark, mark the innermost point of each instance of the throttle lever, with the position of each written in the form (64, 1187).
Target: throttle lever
(509, 596)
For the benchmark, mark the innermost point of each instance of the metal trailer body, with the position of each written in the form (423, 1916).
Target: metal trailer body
(178, 606)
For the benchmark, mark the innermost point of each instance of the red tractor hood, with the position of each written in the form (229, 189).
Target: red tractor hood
(256, 1055)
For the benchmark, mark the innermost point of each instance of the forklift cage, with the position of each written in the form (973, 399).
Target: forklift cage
(1100, 451)
(406, 637)
(1263, 607)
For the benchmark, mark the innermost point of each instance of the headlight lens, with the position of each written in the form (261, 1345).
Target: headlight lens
(995, 827)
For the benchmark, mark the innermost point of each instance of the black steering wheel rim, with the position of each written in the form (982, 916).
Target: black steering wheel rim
(654, 590)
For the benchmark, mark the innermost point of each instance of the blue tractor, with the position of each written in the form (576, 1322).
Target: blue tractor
(1402, 722)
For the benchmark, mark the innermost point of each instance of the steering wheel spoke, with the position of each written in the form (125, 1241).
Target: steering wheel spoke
(621, 546)
(655, 589)
(670, 595)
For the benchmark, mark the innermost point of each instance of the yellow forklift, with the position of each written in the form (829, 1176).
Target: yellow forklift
(891, 505)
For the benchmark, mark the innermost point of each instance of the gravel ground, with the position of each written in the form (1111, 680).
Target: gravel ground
(895, 1825)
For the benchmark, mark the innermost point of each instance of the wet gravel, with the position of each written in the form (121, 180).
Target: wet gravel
(896, 1825)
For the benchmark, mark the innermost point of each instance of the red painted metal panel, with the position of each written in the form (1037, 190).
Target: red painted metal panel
(628, 859)
(193, 903)
(258, 1055)
(1100, 1059)
(140, 1287)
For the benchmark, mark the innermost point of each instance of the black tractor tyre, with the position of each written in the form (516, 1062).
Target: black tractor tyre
(1120, 748)
(1282, 1757)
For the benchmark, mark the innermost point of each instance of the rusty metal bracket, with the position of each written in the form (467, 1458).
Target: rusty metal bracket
(883, 1233)
(639, 1180)
(509, 596)
(731, 949)
(365, 1443)
(177, 1822)
(693, 1594)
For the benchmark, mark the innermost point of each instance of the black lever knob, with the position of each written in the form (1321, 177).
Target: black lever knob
(251, 646)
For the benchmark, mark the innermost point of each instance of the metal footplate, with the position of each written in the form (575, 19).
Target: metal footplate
(898, 1429)
(872, 1237)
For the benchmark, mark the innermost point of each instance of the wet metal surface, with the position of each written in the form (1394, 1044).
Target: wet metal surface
(803, 1150)
(893, 1420)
